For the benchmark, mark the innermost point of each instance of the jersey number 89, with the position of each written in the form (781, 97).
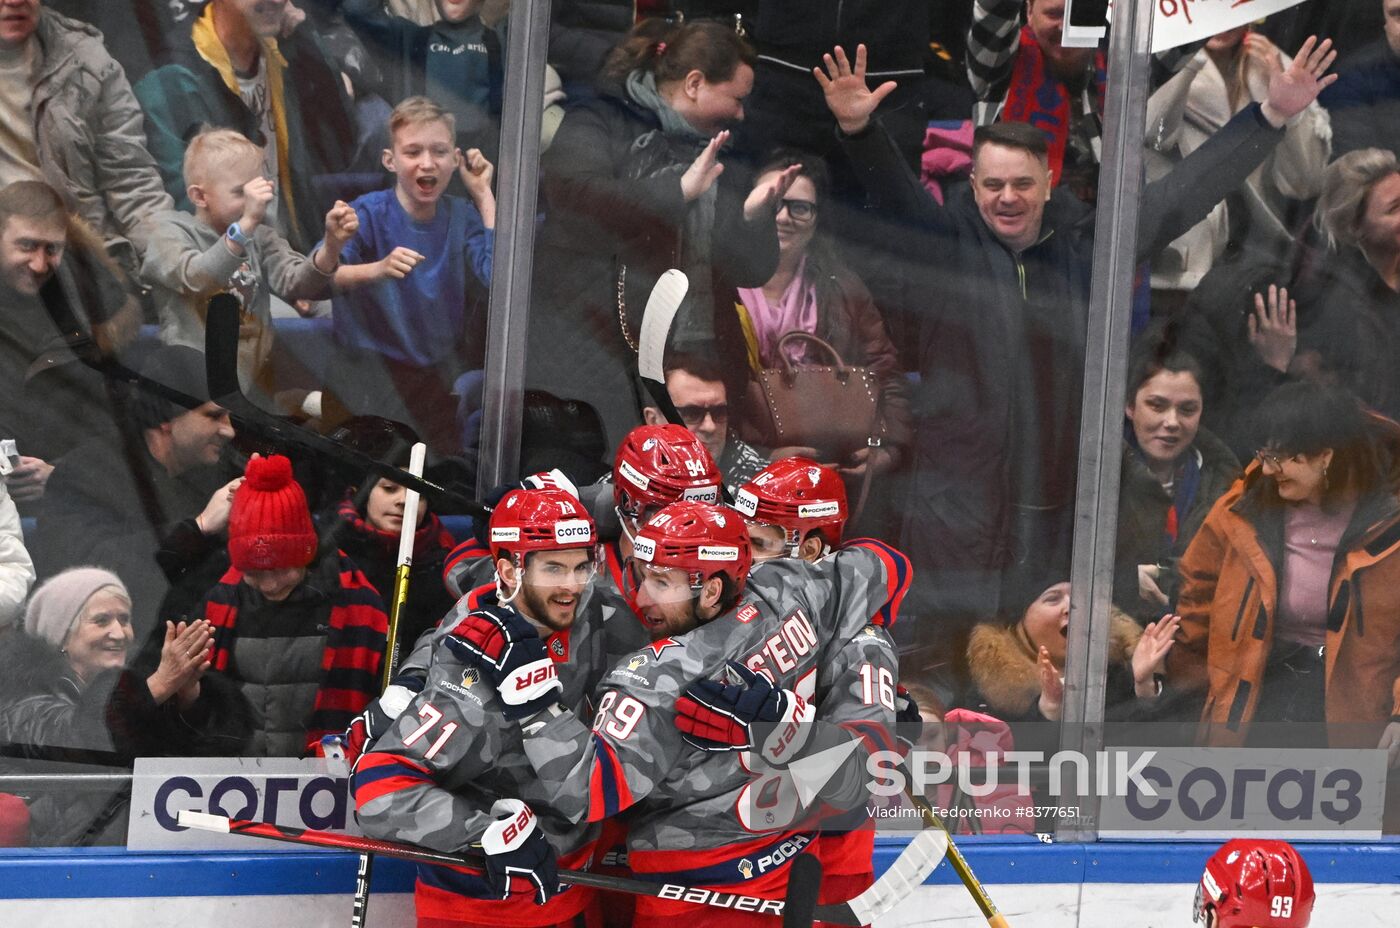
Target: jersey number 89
(618, 717)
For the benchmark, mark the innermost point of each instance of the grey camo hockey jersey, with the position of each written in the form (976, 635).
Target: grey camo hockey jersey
(689, 812)
(470, 568)
(432, 777)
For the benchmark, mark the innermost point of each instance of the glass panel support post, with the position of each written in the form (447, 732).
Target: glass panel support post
(1105, 379)
(517, 187)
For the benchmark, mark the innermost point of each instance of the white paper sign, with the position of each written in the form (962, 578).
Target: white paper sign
(1181, 22)
(282, 790)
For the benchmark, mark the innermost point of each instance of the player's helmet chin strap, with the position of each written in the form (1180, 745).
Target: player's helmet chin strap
(501, 596)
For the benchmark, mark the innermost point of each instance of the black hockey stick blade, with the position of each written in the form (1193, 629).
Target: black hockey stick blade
(662, 305)
(862, 910)
(804, 886)
(221, 369)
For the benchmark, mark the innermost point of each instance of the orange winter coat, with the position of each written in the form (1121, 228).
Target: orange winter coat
(1228, 604)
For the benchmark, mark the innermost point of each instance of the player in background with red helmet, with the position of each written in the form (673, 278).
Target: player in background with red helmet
(450, 771)
(1255, 883)
(708, 820)
(796, 508)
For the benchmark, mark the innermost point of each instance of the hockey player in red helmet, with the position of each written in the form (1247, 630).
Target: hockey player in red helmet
(657, 465)
(795, 508)
(758, 635)
(545, 550)
(444, 771)
(1255, 883)
(689, 564)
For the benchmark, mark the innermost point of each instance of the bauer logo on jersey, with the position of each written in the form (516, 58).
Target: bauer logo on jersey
(505, 534)
(746, 502)
(719, 553)
(572, 531)
(821, 510)
(634, 476)
(705, 494)
(643, 549)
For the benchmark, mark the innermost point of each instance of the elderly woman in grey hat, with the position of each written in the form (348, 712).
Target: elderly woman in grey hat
(65, 687)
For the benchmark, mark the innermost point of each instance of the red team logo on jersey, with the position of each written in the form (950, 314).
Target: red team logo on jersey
(661, 644)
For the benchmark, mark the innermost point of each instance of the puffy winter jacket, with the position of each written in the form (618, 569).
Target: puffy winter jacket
(1229, 602)
(91, 137)
(48, 714)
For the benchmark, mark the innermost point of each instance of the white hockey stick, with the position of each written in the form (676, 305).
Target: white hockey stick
(359, 909)
(918, 860)
(662, 306)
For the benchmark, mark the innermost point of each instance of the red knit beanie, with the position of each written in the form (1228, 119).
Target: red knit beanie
(269, 527)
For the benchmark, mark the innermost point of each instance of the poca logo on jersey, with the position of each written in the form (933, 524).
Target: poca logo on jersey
(572, 530)
(719, 553)
(780, 855)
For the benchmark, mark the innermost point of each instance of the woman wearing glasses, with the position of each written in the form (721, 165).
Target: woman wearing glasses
(813, 291)
(1290, 598)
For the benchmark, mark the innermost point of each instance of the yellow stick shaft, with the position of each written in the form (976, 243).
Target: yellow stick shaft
(959, 863)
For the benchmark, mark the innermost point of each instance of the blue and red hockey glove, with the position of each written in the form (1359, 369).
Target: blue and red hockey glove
(519, 858)
(752, 715)
(510, 652)
(377, 718)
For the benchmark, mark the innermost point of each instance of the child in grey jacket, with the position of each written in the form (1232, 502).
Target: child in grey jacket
(229, 245)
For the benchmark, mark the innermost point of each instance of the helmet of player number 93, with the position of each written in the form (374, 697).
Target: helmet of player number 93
(1254, 883)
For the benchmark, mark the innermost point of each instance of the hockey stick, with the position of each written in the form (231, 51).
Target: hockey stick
(360, 907)
(804, 886)
(956, 860)
(918, 860)
(221, 368)
(662, 305)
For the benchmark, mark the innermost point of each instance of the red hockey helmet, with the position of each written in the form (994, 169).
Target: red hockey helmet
(539, 520)
(799, 496)
(1253, 883)
(699, 538)
(661, 464)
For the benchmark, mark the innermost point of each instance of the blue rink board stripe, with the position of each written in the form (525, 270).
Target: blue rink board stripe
(60, 873)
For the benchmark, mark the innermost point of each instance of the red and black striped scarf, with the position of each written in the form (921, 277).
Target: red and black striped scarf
(429, 535)
(1039, 98)
(350, 665)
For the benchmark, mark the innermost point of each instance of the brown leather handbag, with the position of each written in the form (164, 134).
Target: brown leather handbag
(834, 408)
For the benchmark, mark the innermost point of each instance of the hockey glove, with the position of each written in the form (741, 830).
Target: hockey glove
(909, 724)
(519, 858)
(509, 651)
(380, 714)
(755, 715)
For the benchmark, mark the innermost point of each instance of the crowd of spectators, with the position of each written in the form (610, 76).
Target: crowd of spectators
(911, 192)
